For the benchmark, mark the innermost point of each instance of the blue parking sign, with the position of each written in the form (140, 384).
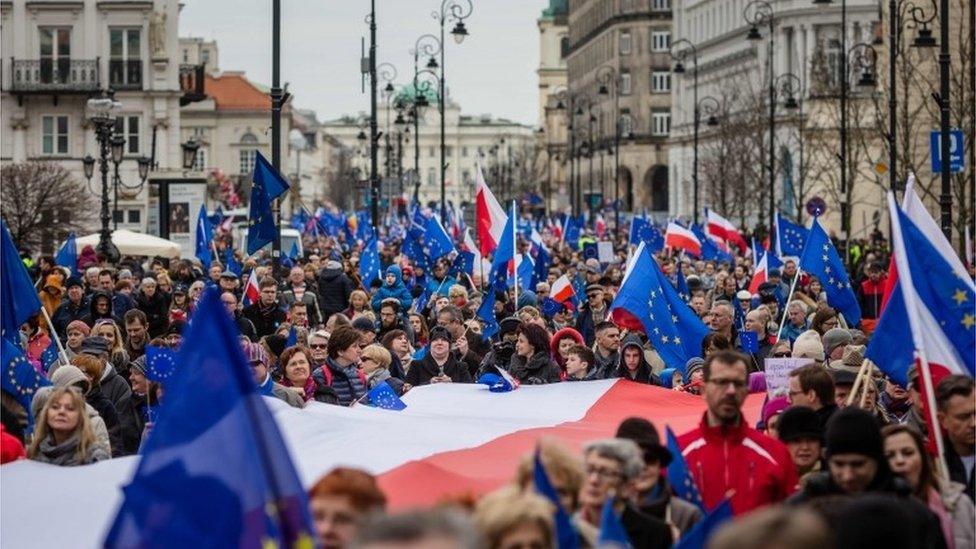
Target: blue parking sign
(956, 150)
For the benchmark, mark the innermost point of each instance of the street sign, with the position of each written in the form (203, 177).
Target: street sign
(816, 206)
(956, 149)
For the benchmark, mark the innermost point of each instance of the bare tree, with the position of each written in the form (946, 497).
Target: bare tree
(42, 202)
(340, 176)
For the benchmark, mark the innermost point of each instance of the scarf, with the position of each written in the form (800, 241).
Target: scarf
(308, 390)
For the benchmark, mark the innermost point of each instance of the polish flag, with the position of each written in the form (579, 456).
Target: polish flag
(600, 226)
(251, 292)
(562, 290)
(759, 276)
(681, 238)
(449, 441)
(724, 229)
(490, 217)
(481, 267)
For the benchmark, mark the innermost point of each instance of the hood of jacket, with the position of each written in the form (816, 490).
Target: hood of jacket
(93, 310)
(632, 340)
(397, 273)
(329, 275)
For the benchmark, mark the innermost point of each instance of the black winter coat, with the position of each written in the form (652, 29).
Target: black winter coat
(106, 410)
(538, 370)
(265, 321)
(66, 313)
(120, 394)
(334, 290)
(157, 311)
(423, 370)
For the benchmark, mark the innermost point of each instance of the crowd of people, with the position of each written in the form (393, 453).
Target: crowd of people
(822, 466)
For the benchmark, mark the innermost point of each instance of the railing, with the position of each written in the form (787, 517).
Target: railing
(125, 74)
(191, 82)
(54, 75)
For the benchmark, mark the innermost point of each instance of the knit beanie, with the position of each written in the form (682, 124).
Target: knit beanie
(808, 345)
(78, 325)
(835, 337)
(138, 365)
(854, 431)
(68, 375)
(799, 422)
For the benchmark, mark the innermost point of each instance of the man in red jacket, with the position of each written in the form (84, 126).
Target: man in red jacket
(725, 455)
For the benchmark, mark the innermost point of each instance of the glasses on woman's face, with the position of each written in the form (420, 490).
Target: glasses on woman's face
(318, 346)
(783, 354)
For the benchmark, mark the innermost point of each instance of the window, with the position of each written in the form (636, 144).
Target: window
(118, 216)
(55, 54)
(128, 127)
(135, 216)
(54, 134)
(625, 83)
(625, 42)
(833, 55)
(563, 46)
(249, 154)
(660, 41)
(464, 151)
(466, 176)
(200, 164)
(660, 123)
(626, 125)
(204, 57)
(431, 175)
(448, 151)
(186, 56)
(660, 81)
(660, 5)
(125, 62)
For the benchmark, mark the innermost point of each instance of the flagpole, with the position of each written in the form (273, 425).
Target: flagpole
(930, 405)
(789, 296)
(54, 334)
(514, 250)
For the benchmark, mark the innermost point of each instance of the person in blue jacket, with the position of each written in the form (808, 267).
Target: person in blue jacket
(393, 287)
(439, 281)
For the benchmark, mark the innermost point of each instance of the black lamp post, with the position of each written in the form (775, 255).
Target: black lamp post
(427, 46)
(679, 50)
(102, 113)
(117, 144)
(759, 13)
(607, 77)
(455, 11)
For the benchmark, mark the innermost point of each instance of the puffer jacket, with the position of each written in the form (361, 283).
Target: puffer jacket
(398, 290)
(539, 369)
(334, 289)
(561, 334)
(739, 458)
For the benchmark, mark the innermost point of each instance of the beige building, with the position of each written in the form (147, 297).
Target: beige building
(622, 46)
(553, 26)
(56, 55)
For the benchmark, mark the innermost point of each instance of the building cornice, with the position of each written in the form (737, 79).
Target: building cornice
(617, 20)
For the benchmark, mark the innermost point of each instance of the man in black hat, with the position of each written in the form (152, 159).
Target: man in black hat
(799, 428)
(653, 493)
(591, 313)
(439, 364)
(73, 308)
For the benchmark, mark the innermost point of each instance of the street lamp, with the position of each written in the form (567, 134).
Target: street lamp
(679, 50)
(451, 11)
(607, 77)
(759, 13)
(789, 87)
(102, 114)
(427, 45)
(190, 148)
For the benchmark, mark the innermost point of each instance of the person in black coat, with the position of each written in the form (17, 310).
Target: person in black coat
(117, 391)
(531, 363)
(632, 365)
(155, 304)
(266, 314)
(75, 307)
(334, 289)
(439, 364)
(99, 307)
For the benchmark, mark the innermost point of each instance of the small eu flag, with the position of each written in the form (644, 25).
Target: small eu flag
(160, 363)
(679, 476)
(383, 396)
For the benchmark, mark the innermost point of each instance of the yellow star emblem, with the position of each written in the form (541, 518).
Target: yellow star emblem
(960, 297)
(968, 320)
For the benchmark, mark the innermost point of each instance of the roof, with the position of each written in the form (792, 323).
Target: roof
(233, 91)
(555, 9)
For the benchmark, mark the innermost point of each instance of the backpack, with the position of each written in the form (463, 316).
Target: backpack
(327, 375)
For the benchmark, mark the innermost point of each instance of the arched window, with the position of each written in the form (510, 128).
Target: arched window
(248, 153)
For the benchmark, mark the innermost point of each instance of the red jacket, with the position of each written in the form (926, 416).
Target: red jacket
(758, 468)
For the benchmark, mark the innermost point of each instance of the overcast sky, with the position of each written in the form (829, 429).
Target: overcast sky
(493, 71)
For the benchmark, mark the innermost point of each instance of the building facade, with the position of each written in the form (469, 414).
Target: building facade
(57, 55)
(804, 53)
(505, 150)
(619, 98)
(553, 26)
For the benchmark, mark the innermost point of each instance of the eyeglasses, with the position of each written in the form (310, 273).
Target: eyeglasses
(782, 355)
(603, 474)
(318, 346)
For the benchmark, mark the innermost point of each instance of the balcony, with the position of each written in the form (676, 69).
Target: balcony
(191, 83)
(54, 76)
(125, 74)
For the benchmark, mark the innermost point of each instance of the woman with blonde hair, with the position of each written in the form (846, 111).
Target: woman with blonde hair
(108, 330)
(64, 435)
(358, 303)
(509, 518)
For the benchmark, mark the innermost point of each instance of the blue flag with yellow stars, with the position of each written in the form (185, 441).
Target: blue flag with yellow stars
(679, 476)
(821, 260)
(260, 220)
(383, 396)
(20, 379)
(20, 300)
(215, 471)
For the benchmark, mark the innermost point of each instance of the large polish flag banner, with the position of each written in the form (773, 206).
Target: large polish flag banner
(452, 439)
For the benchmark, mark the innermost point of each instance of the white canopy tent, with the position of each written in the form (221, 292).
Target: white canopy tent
(133, 243)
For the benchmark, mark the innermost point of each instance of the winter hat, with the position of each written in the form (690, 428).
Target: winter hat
(94, 345)
(799, 422)
(138, 365)
(508, 325)
(276, 343)
(693, 365)
(772, 407)
(440, 332)
(843, 377)
(255, 353)
(808, 345)
(667, 375)
(757, 382)
(743, 295)
(527, 299)
(78, 325)
(854, 431)
(68, 375)
(645, 434)
(73, 281)
(835, 337)
(364, 324)
(851, 361)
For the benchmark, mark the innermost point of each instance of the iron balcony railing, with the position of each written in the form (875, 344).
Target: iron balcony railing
(54, 75)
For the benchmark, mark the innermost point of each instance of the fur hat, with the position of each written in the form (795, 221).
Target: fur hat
(808, 345)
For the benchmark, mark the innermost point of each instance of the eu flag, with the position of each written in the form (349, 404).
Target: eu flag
(261, 226)
(710, 250)
(414, 250)
(791, 238)
(268, 178)
(204, 236)
(486, 312)
(68, 255)
(821, 260)
(383, 396)
(20, 300)
(160, 363)
(697, 537)
(679, 476)
(20, 380)
(438, 242)
(369, 263)
(231, 263)
(49, 356)
(566, 535)
(612, 532)
(215, 472)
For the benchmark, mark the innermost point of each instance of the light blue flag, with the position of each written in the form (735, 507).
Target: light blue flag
(215, 471)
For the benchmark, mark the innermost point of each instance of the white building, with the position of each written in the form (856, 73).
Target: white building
(56, 55)
(496, 144)
(731, 68)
